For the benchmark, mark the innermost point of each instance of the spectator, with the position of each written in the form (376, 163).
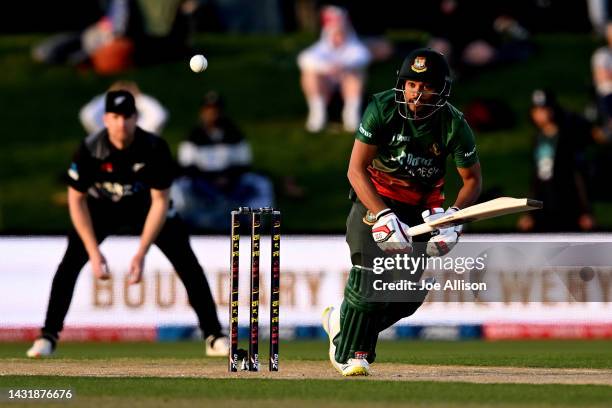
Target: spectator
(559, 168)
(476, 35)
(338, 59)
(130, 32)
(599, 14)
(161, 29)
(216, 176)
(108, 36)
(152, 116)
(372, 25)
(601, 63)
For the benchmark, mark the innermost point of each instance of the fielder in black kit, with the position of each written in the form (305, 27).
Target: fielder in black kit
(119, 182)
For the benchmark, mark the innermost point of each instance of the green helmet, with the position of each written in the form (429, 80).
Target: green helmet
(429, 67)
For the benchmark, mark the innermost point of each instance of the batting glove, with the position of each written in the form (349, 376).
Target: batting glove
(443, 239)
(390, 234)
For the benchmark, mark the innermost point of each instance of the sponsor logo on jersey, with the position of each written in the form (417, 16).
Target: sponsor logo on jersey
(73, 172)
(468, 154)
(364, 132)
(419, 65)
(107, 167)
(421, 167)
(400, 138)
(115, 191)
(137, 166)
(435, 149)
(415, 161)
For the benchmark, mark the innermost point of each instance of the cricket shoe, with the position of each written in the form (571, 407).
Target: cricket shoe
(354, 366)
(217, 346)
(357, 366)
(42, 347)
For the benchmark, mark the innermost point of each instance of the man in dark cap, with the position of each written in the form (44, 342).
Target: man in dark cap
(397, 171)
(119, 181)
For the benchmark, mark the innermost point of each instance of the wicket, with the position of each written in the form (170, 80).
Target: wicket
(235, 355)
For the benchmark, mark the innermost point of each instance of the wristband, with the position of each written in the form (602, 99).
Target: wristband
(383, 213)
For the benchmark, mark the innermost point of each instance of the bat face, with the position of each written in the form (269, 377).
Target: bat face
(456, 222)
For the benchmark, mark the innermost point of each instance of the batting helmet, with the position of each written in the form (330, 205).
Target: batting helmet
(430, 68)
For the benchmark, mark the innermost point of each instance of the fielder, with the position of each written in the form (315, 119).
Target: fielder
(119, 181)
(396, 171)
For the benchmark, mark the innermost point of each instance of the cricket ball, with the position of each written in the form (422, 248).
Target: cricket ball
(198, 63)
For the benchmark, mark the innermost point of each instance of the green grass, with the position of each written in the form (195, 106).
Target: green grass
(545, 354)
(144, 391)
(127, 391)
(259, 78)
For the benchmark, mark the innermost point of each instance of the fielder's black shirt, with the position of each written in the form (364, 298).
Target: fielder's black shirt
(122, 178)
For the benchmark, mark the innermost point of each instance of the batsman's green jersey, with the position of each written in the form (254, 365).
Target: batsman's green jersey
(411, 161)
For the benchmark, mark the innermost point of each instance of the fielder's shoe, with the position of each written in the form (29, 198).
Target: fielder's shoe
(354, 366)
(41, 348)
(217, 346)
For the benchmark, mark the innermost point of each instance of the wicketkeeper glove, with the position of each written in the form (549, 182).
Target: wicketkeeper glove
(444, 239)
(391, 234)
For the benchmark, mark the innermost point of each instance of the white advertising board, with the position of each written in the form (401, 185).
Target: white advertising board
(313, 269)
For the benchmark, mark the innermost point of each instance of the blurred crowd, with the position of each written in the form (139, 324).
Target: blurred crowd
(127, 33)
(570, 155)
(572, 152)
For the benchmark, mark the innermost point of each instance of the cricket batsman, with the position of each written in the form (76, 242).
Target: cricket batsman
(396, 171)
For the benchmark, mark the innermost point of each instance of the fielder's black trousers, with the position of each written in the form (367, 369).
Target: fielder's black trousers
(173, 241)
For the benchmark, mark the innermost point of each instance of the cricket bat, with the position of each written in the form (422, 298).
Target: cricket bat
(489, 209)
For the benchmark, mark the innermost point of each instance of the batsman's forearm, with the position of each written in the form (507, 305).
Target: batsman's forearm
(365, 190)
(153, 224)
(468, 194)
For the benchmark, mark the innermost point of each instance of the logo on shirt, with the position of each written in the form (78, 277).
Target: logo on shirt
(421, 167)
(416, 161)
(468, 154)
(364, 132)
(419, 65)
(137, 166)
(400, 138)
(435, 149)
(115, 191)
(73, 172)
(107, 167)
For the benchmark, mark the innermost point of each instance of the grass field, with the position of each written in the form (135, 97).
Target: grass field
(423, 374)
